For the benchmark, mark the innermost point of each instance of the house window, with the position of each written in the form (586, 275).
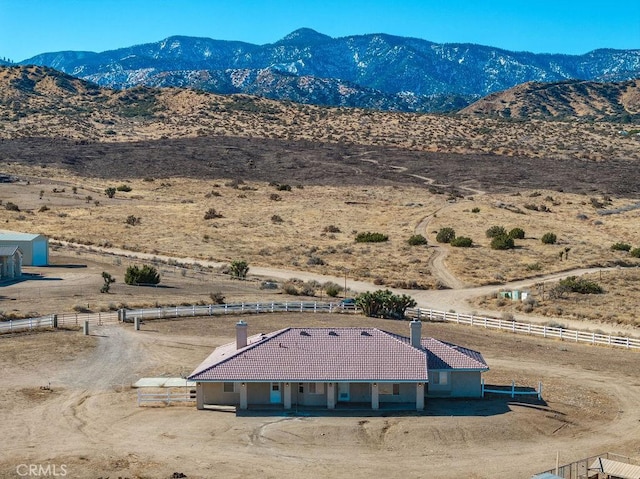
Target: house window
(316, 388)
(229, 387)
(301, 388)
(389, 389)
(441, 377)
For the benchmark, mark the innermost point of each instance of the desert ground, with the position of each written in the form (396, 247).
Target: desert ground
(207, 180)
(89, 422)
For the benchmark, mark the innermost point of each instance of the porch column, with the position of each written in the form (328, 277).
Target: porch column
(375, 400)
(243, 396)
(199, 396)
(331, 396)
(420, 396)
(287, 395)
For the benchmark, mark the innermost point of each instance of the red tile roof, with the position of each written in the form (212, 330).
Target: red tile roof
(333, 354)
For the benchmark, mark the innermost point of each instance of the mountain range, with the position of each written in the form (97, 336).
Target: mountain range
(377, 71)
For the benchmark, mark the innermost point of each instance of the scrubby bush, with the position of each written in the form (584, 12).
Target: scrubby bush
(496, 231)
(332, 289)
(516, 233)
(549, 238)
(580, 285)
(331, 229)
(445, 235)
(217, 297)
(417, 240)
(239, 269)
(276, 219)
(145, 275)
(110, 192)
(621, 247)
(11, 206)
(132, 220)
(384, 304)
(212, 214)
(635, 253)
(475, 210)
(502, 242)
(462, 242)
(283, 188)
(371, 237)
(125, 188)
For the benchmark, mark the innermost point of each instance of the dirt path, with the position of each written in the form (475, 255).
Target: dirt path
(443, 300)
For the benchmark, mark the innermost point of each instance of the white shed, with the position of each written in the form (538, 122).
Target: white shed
(34, 247)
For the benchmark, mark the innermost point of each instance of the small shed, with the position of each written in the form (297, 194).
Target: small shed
(10, 262)
(608, 469)
(34, 247)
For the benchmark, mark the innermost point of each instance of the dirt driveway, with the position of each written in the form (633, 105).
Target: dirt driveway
(89, 422)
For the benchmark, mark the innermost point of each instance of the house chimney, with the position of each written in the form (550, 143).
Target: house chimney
(241, 334)
(416, 333)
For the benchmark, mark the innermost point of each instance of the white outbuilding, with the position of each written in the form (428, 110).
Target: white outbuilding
(34, 247)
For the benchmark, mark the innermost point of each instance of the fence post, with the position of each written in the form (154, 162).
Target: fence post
(561, 334)
(54, 321)
(627, 343)
(539, 390)
(430, 315)
(513, 389)
(457, 318)
(226, 308)
(315, 306)
(301, 310)
(593, 338)
(471, 317)
(576, 335)
(482, 384)
(85, 328)
(544, 331)
(138, 397)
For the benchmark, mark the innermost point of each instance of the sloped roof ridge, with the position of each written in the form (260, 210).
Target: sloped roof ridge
(457, 347)
(236, 352)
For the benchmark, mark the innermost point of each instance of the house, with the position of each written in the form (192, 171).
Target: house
(34, 247)
(331, 367)
(10, 262)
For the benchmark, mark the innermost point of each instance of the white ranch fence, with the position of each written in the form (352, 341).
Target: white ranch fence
(78, 319)
(513, 390)
(525, 328)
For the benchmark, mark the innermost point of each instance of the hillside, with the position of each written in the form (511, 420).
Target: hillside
(369, 71)
(41, 102)
(572, 99)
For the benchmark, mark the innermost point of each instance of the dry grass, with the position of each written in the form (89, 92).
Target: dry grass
(172, 223)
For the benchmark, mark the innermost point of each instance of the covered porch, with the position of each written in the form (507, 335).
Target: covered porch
(327, 395)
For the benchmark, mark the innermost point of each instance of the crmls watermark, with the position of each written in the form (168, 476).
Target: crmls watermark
(41, 470)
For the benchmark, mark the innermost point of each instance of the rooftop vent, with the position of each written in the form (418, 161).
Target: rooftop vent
(365, 333)
(304, 333)
(332, 333)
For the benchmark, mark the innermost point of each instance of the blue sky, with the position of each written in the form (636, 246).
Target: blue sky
(29, 27)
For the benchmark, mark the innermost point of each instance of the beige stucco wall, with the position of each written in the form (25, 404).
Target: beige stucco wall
(460, 384)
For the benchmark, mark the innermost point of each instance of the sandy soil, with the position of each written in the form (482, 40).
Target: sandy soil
(89, 422)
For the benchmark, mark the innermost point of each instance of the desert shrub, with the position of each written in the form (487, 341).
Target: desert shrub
(502, 242)
(332, 289)
(549, 238)
(331, 229)
(530, 206)
(580, 285)
(371, 238)
(475, 209)
(276, 219)
(110, 192)
(283, 188)
(125, 188)
(516, 233)
(212, 214)
(445, 235)
(290, 289)
(132, 220)
(43, 208)
(496, 231)
(239, 269)
(462, 242)
(635, 253)
(533, 267)
(315, 261)
(11, 206)
(417, 240)
(384, 304)
(621, 247)
(275, 197)
(145, 275)
(217, 297)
